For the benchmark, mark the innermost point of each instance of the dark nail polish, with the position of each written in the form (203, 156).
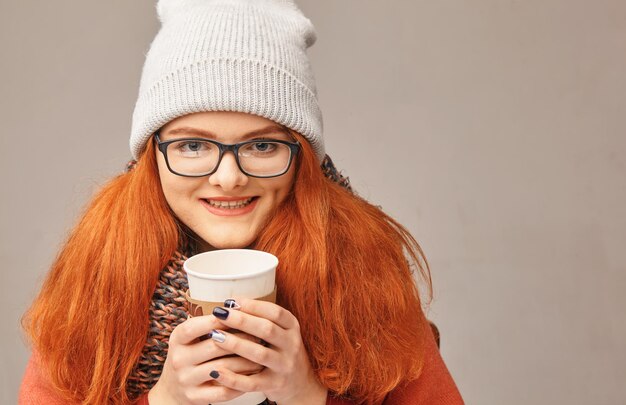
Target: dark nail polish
(231, 303)
(206, 337)
(220, 313)
(214, 374)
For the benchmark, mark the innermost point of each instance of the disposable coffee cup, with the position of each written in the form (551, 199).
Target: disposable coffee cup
(218, 275)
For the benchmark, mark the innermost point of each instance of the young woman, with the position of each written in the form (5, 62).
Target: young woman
(229, 154)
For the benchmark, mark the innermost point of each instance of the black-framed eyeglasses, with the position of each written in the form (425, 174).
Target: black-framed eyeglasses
(199, 157)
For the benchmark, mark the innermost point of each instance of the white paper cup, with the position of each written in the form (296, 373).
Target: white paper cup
(217, 275)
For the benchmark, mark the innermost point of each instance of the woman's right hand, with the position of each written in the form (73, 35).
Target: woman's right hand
(186, 379)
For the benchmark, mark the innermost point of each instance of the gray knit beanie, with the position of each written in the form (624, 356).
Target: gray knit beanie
(229, 55)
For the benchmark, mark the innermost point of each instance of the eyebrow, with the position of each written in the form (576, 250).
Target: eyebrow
(211, 135)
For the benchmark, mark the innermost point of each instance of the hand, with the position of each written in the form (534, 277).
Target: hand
(288, 377)
(186, 378)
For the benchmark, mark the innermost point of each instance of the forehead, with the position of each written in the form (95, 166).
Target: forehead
(220, 125)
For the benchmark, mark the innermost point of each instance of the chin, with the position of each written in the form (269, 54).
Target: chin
(225, 243)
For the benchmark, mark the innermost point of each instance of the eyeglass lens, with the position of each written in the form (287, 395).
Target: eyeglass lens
(263, 158)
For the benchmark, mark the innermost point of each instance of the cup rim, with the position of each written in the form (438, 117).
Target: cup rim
(241, 276)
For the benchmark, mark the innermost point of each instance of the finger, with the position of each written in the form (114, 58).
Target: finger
(251, 324)
(257, 382)
(205, 350)
(193, 328)
(268, 310)
(247, 349)
(236, 364)
(209, 393)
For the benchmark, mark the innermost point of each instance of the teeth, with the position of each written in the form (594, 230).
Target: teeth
(230, 204)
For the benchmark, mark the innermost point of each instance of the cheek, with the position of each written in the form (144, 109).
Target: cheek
(176, 189)
(283, 186)
(167, 183)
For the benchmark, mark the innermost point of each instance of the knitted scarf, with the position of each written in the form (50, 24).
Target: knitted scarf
(169, 308)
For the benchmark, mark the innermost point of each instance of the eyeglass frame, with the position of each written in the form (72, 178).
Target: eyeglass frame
(294, 148)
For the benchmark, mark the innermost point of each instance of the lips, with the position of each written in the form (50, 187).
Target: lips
(230, 206)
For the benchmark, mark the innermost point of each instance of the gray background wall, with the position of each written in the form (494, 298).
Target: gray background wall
(493, 129)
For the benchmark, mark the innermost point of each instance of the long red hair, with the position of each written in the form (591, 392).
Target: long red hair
(346, 272)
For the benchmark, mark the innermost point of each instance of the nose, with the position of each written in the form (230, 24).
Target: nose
(228, 176)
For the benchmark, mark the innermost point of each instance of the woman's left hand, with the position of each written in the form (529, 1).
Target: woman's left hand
(288, 377)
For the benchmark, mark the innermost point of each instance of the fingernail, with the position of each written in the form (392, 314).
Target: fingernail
(232, 304)
(220, 313)
(218, 336)
(214, 374)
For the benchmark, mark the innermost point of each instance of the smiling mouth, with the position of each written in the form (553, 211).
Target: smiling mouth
(230, 204)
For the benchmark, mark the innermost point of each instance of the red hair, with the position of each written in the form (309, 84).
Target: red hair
(90, 321)
(343, 273)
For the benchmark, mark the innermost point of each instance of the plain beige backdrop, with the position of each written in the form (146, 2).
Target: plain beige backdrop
(494, 129)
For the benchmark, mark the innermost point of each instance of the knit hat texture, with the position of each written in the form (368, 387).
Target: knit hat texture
(229, 55)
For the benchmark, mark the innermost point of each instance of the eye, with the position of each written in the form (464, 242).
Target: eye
(264, 147)
(193, 148)
(261, 148)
